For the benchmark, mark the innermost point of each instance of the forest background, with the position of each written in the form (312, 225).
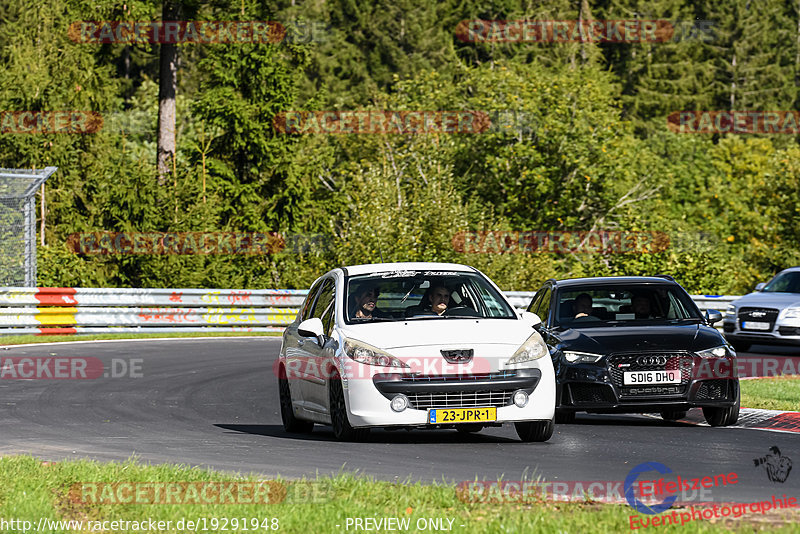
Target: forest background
(593, 150)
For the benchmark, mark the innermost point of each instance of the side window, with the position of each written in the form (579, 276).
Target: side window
(676, 308)
(305, 309)
(325, 305)
(493, 307)
(535, 301)
(543, 308)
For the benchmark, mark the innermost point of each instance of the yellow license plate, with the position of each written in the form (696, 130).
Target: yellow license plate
(461, 415)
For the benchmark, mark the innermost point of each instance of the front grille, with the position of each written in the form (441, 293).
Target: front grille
(713, 390)
(620, 363)
(461, 399)
(760, 315)
(591, 394)
(459, 378)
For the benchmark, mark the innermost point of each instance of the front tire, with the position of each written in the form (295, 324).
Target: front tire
(530, 431)
(341, 425)
(564, 417)
(290, 422)
(724, 416)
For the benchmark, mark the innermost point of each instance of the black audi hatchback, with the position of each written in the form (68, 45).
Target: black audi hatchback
(636, 345)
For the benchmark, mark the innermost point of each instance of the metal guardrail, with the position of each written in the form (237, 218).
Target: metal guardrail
(66, 310)
(69, 310)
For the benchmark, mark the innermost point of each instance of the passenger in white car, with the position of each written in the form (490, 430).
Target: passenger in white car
(366, 302)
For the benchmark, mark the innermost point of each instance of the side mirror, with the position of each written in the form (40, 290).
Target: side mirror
(760, 286)
(713, 316)
(312, 328)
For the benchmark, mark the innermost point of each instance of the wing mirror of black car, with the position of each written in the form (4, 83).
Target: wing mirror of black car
(312, 328)
(760, 286)
(713, 316)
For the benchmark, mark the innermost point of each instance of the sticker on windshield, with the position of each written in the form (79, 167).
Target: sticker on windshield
(394, 274)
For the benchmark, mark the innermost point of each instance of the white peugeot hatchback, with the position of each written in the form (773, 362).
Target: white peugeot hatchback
(413, 345)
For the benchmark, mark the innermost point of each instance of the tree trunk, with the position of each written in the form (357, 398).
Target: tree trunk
(733, 81)
(167, 87)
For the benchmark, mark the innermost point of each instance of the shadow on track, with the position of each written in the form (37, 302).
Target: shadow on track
(377, 435)
(596, 419)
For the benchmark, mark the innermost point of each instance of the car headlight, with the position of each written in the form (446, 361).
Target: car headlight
(581, 357)
(791, 313)
(365, 353)
(716, 352)
(731, 310)
(533, 349)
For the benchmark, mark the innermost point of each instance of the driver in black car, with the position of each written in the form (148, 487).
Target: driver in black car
(583, 306)
(642, 307)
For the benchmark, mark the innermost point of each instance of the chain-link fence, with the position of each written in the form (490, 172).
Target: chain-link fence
(18, 224)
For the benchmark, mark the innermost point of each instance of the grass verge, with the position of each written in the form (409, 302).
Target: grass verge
(22, 340)
(33, 489)
(772, 393)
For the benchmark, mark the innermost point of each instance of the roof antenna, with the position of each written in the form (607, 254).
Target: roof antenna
(381, 254)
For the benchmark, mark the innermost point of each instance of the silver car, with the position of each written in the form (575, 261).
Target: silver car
(769, 316)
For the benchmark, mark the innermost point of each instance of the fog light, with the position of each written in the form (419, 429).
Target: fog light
(520, 398)
(399, 403)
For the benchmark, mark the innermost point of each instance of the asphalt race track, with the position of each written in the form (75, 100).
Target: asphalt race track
(214, 403)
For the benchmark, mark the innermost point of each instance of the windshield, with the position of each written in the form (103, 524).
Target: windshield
(590, 306)
(423, 295)
(784, 283)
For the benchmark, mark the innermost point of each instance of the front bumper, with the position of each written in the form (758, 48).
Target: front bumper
(781, 333)
(600, 388)
(369, 400)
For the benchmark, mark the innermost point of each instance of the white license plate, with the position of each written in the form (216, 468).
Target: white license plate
(630, 378)
(754, 325)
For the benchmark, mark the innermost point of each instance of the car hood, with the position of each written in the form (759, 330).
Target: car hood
(605, 340)
(441, 332)
(769, 300)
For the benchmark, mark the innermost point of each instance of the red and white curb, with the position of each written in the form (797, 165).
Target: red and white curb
(753, 418)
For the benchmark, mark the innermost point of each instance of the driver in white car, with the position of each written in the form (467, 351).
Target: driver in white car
(439, 298)
(434, 302)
